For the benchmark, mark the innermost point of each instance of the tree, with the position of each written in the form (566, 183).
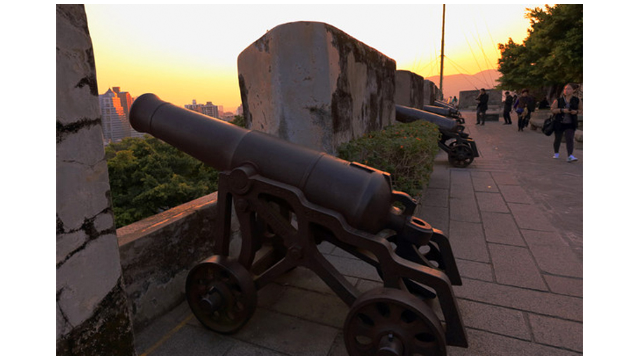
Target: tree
(550, 56)
(148, 176)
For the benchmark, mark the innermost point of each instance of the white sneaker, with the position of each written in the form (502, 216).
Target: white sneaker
(572, 158)
(555, 156)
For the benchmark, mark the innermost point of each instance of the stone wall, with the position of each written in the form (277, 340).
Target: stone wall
(430, 92)
(158, 252)
(314, 85)
(92, 314)
(468, 100)
(409, 89)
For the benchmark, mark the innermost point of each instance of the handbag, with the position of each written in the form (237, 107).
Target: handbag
(548, 126)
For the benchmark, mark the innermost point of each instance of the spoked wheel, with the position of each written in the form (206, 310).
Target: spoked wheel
(388, 321)
(460, 155)
(221, 294)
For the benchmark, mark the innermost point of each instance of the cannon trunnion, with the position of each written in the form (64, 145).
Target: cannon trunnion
(288, 200)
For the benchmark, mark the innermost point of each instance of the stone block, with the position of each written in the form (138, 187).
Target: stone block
(467, 241)
(501, 228)
(491, 202)
(430, 92)
(515, 194)
(495, 319)
(557, 332)
(468, 99)
(482, 343)
(515, 266)
(92, 313)
(409, 89)
(312, 84)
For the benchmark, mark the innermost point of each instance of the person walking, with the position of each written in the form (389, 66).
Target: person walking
(566, 109)
(483, 105)
(525, 104)
(506, 114)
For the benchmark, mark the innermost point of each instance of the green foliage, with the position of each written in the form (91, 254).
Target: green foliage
(551, 55)
(406, 151)
(239, 120)
(148, 176)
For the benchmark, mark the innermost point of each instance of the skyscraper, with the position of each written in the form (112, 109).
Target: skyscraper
(115, 105)
(115, 126)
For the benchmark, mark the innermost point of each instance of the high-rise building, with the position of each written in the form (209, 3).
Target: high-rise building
(115, 106)
(115, 125)
(210, 109)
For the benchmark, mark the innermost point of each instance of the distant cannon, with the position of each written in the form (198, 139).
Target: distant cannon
(288, 200)
(444, 110)
(460, 148)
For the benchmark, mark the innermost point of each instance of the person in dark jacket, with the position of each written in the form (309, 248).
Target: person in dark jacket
(525, 105)
(566, 109)
(483, 105)
(506, 114)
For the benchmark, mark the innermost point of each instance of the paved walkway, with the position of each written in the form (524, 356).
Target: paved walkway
(514, 219)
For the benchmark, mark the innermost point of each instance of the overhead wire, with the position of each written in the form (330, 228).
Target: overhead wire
(462, 72)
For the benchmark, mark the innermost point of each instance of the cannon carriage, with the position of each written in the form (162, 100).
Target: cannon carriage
(460, 148)
(289, 199)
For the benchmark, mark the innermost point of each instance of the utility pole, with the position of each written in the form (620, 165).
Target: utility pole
(442, 54)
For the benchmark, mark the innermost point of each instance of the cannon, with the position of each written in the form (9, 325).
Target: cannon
(288, 200)
(460, 148)
(444, 110)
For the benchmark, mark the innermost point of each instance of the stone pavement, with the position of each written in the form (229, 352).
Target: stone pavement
(514, 219)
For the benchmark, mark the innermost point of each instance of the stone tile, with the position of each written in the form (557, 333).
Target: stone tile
(325, 309)
(464, 209)
(491, 202)
(353, 267)
(241, 348)
(338, 348)
(439, 178)
(304, 278)
(194, 341)
(552, 254)
(436, 197)
(494, 319)
(545, 303)
(467, 241)
(515, 194)
(504, 178)
(287, 334)
(475, 270)
(564, 285)
(530, 217)
(482, 343)
(502, 229)
(515, 266)
(483, 182)
(461, 185)
(557, 332)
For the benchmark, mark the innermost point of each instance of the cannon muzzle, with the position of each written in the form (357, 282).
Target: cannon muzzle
(362, 195)
(407, 114)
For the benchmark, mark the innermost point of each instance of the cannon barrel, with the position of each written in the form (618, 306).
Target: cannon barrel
(361, 194)
(438, 110)
(406, 114)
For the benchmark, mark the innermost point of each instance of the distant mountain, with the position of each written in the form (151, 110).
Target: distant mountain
(453, 84)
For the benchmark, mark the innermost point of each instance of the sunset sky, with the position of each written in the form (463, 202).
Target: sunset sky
(186, 52)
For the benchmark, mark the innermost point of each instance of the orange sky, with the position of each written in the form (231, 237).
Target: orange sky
(186, 52)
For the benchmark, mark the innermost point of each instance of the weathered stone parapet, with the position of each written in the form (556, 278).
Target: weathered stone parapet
(468, 100)
(430, 91)
(409, 89)
(314, 85)
(158, 252)
(92, 316)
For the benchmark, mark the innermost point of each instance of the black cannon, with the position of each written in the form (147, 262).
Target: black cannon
(445, 110)
(289, 199)
(460, 148)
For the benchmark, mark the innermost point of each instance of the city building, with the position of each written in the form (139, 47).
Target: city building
(208, 109)
(114, 107)
(115, 125)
